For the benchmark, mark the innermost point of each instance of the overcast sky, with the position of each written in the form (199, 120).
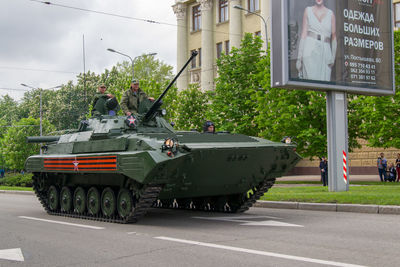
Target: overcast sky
(42, 46)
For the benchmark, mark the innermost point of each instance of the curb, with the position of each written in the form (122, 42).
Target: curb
(383, 209)
(16, 192)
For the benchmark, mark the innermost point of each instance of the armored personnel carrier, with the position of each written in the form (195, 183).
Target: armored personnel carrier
(115, 169)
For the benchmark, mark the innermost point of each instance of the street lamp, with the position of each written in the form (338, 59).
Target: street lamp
(132, 60)
(265, 23)
(41, 117)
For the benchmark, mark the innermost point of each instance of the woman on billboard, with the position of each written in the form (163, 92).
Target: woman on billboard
(318, 44)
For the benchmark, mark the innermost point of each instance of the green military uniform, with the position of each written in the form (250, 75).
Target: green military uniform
(130, 100)
(99, 104)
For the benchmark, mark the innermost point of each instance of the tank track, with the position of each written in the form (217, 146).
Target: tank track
(145, 202)
(243, 202)
(261, 189)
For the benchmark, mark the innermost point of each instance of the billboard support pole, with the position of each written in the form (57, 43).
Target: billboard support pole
(336, 115)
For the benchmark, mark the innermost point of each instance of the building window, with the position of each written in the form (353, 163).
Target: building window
(397, 14)
(219, 50)
(253, 5)
(194, 60)
(196, 18)
(199, 57)
(226, 47)
(223, 10)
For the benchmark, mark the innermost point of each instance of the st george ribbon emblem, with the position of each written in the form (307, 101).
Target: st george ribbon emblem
(76, 163)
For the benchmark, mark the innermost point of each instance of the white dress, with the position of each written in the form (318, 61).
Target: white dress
(317, 54)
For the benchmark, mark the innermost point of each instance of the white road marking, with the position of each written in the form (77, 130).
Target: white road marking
(13, 254)
(64, 223)
(236, 218)
(271, 223)
(251, 221)
(258, 252)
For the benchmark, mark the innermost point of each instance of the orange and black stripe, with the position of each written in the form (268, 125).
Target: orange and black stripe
(97, 163)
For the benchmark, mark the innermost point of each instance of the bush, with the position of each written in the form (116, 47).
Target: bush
(24, 180)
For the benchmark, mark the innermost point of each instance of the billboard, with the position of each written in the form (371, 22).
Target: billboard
(341, 45)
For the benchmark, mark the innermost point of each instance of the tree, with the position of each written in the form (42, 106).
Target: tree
(8, 109)
(233, 107)
(379, 115)
(14, 148)
(67, 106)
(299, 114)
(190, 108)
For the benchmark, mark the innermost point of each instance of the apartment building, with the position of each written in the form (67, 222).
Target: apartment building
(396, 14)
(213, 27)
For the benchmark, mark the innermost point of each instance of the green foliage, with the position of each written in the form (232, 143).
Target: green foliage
(379, 118)
(189, 109)
(233, 103)
(67, 106)
(24, 180)
(155, 88)
(300, 114)
(8, 109)
(14, 148)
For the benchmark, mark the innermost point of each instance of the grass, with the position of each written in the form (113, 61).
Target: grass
(319, 183)
(382, 194)
(16, 188)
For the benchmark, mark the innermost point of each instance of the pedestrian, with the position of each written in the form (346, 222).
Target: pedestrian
(132, 97)
(398, 167)
(392, 173)
(323, 167)
(382, 165)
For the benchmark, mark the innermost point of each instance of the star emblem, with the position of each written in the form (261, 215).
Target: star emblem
(76, 163)
(131, 121)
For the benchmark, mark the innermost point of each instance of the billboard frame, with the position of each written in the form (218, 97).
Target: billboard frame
(280, 58)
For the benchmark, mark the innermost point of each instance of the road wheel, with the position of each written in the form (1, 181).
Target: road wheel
(53, 198)
(79, 200)
(93, 201)
(222, 204)
(124, 202)
(66, 199)
(108, 202)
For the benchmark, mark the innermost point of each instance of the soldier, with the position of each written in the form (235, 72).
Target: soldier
(103, 102)
(132, 97)
(209, 127)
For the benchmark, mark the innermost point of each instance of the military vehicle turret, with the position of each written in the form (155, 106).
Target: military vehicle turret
(114, 169)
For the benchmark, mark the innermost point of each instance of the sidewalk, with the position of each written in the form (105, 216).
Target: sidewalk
(369, 178)
(381, 209)
(327, 206)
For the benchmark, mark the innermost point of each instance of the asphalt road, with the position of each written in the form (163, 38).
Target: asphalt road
(259, 237)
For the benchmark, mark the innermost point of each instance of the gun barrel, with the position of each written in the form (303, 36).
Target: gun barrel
(42, 139)
(156, 103)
